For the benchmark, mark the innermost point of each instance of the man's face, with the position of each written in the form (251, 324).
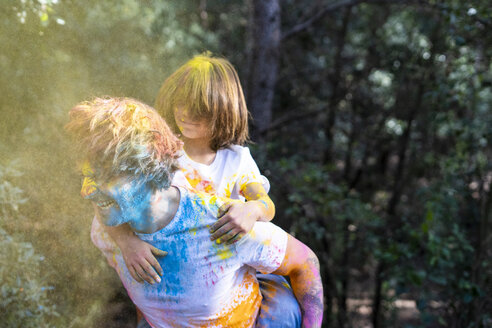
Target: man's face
(101, 197)
(121, 200)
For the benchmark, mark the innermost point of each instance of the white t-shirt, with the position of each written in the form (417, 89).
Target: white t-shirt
(205, 284)
(231, 170)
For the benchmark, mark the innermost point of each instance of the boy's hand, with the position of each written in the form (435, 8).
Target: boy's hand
(139, 256)
(140, 260)
(235, 220)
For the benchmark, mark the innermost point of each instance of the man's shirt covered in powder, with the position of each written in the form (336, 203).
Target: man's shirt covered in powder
(205, 284)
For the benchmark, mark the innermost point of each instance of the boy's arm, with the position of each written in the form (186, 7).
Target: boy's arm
(238, 218)
(139, 256)
(256, 194)
(302, 267)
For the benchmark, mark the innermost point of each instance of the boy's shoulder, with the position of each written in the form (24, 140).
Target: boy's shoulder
(236, 151)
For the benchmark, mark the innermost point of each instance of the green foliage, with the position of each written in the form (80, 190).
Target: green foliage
(56, 54)
(25, 300)
(342, 228)
(388, 166)
(10, 195)
(24, 286)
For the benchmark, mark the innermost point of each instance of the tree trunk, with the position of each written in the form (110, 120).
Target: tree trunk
(378, 297)
(263, 45)
(335, 79)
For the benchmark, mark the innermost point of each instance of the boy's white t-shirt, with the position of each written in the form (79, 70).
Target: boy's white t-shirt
(232, 169)
(205, 284)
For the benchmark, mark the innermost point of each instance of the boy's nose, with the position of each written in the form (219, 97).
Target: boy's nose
(183, 114)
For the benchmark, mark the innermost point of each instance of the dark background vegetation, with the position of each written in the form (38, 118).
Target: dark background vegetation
(372, 120)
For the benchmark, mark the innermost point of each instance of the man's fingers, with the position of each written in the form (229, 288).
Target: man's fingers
(134, 274)
(223, 209)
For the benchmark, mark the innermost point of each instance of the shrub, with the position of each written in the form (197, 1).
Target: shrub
(24, 291)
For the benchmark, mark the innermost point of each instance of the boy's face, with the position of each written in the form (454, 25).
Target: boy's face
(190, 127)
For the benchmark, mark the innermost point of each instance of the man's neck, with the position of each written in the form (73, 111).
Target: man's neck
(164, 205)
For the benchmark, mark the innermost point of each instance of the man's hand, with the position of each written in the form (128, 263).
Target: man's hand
(140, 260)
(235, 220)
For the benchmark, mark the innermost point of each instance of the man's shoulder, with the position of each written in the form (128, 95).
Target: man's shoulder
(199, 203)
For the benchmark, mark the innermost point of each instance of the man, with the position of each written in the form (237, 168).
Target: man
(205, 284)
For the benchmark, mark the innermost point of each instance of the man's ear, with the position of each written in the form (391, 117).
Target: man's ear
(109, 216)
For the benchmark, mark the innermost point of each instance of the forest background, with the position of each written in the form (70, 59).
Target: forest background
(372, 120)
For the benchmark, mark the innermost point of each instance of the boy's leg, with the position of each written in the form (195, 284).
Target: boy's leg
(279, 307)
(142, 323)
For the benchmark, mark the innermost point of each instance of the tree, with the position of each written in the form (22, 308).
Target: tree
(263, 52)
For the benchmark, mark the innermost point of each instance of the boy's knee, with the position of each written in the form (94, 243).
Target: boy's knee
(279, 307)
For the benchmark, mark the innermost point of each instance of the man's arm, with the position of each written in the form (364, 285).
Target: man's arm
(302, 266)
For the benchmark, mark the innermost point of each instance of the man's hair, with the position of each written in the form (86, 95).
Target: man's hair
(123, 136)
(207, 87)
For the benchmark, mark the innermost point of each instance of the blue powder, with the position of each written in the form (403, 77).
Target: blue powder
(133, 199)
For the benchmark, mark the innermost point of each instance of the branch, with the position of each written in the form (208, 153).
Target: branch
(335, 6)
(292, 116)
(332, 7)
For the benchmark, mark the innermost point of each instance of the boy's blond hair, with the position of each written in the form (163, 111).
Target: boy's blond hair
(123, 136)
(207, 87)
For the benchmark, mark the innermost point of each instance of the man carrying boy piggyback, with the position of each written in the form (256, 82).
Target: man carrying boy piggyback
(132, 154)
